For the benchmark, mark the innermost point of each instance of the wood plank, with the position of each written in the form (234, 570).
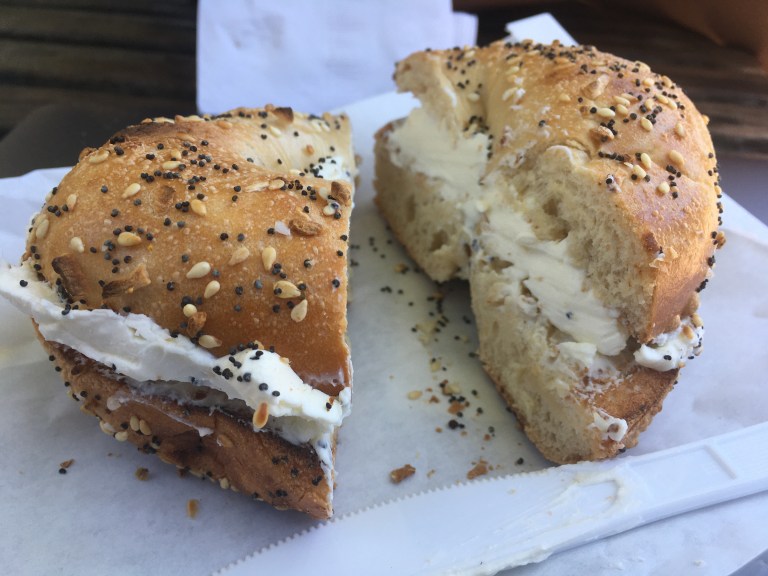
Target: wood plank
(142, 31)
(16, 102)
(181, 8)
(137, 72)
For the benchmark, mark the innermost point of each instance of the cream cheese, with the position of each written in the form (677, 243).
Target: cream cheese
(422, 143)
(546, 270)
(333, 168)
(671, 349)
(612, 428)
(136, 347)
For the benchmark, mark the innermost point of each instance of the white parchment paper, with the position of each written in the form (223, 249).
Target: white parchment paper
(313, 55)
(99, 518)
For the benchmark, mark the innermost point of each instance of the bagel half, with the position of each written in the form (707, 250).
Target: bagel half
(578, 193)
(189, 278)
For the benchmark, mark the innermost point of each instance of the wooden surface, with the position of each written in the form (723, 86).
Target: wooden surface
(95, 52)
(140, 54)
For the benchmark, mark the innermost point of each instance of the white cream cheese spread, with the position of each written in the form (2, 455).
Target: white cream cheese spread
(671, 349)
(134, 346)
(423, 144)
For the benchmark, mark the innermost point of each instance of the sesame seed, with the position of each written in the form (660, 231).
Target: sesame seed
(239, 255)
(42, 228)
(285, 289)
(99, 156)
(268, 257)
(276, 184)
(189, 310)
(144, 428)
(257, 186)
(645, 161)
(261, 415)
(76, 244)
(606, 113)
(621, 100)
(128, 239)
(211, 289)
(680, 129)
(199, 270)
(299, 312)
(677, 158)
(646, 124)
(198, 207)
(131, 190)
(208, 341)
(638, 171)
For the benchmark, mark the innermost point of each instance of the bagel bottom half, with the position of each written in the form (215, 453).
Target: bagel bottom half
(216, 444)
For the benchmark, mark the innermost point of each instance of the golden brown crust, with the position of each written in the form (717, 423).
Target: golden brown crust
(170, 213)
(636, 400)
(262, 464)
(649, 150)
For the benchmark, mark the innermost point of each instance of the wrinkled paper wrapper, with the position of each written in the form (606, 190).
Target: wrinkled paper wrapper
(314, 56)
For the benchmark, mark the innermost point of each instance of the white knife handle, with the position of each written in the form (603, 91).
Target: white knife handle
(706, 472)
(599, 499)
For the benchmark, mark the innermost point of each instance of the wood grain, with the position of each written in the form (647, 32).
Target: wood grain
(142, 52)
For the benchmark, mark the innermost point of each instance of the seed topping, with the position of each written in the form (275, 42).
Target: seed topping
(239, 255)
(211, 289)
(260, 416)
(208, 341)
(128, 239)
(99, 156)
(268, 257)
(285, 289)
(299, 312)
(199, 270)
(198, 207)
